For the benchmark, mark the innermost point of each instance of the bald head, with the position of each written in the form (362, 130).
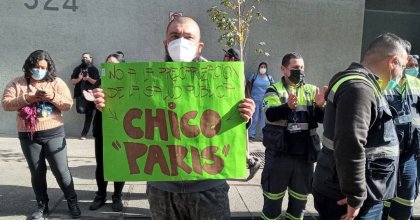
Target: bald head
(184, 21)
(186, 28)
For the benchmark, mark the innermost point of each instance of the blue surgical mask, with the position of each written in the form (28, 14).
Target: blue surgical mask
(412, 71)
(38, 74)
(391, 85)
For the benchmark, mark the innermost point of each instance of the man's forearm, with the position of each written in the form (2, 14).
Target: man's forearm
(75, 81)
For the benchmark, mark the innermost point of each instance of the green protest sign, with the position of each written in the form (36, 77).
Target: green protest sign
(169, 121)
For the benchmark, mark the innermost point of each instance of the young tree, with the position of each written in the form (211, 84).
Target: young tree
(234, 22)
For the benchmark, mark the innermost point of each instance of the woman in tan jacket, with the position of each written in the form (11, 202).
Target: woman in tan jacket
(39, 97)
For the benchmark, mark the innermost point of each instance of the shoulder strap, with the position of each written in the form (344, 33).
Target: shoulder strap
(253, 79)
(270, 79)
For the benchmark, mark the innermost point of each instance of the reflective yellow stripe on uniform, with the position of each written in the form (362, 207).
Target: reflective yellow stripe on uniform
(274, 196)
(271, 99)
(297, 196)
(267, 218)
(346, 78)
(290, 216)
(405, 202)
(387, 204)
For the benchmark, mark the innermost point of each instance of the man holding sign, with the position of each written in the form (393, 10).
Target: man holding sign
(195, 199)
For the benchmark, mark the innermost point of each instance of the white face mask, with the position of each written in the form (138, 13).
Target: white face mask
(182, 50)
(263, 70)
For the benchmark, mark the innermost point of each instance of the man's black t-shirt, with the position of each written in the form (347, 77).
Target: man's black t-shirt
(84, 84)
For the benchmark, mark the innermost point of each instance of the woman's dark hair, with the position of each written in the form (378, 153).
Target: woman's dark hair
(262, 63)
(118, 56)
(33, 59)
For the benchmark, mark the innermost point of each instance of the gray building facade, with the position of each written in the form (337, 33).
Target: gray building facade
(328, 33)
(401, 17)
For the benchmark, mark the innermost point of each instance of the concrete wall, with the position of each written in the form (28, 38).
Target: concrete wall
(402, 19)
(328, 33)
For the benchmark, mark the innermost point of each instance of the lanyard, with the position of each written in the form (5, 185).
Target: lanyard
(294, 113)
(403, 91)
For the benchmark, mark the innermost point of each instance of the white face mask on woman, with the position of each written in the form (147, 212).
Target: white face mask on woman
(182, 50)
(263, 70)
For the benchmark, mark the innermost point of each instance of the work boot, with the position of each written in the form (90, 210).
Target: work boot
(74, 208)
(117, 204)
(254, 165)
(41, 211)
(98, 202)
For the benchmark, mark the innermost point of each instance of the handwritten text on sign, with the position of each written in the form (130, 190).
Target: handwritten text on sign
(173, 121)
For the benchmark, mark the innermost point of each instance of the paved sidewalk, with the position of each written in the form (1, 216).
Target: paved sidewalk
(17, 198)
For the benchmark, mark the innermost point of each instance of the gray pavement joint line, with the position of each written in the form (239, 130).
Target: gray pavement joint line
(242, 199)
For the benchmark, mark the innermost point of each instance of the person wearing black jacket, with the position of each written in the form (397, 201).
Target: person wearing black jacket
(100, 197)
(357, 166)
(84, 78)
(293, 110)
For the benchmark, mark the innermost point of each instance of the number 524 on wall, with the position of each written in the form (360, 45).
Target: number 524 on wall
(49, 5)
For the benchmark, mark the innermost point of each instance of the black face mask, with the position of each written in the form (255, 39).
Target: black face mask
(85, 63)
(296, 77)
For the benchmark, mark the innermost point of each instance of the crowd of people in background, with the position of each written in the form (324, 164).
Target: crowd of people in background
(367, 159)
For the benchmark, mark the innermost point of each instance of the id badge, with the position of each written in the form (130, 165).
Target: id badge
(403, 119)
(293, 127)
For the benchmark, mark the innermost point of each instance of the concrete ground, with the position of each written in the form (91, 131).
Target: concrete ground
(17, 198)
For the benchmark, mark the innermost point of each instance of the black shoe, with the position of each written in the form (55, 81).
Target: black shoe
(97, 203)
(117, 204)
(74, 208)
(41, 212)
(253, 168)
